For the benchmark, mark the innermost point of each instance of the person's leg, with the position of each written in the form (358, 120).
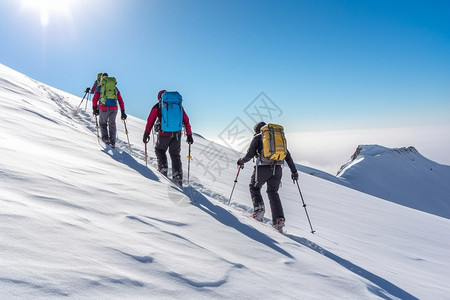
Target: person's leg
(112, 126)
(262, 173)
(103, 122)
(162, 143)
(175, 157)
(273, 184)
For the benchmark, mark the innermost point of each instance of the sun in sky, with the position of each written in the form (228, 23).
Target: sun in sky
(47, 8)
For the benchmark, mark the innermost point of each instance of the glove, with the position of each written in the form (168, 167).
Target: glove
(294, 176)
(146, 137)
(95, 110)
(240, 163)
(123, 115)
(190, 140)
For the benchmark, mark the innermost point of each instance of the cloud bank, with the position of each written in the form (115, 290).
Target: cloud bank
(328, 150)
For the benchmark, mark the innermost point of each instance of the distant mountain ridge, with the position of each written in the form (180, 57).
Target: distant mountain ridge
(401, 175)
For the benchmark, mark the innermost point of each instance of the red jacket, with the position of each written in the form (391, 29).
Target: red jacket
(94, 87)
(104, 107)
(154, 114)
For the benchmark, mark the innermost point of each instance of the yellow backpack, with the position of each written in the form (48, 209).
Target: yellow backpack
(274, 144)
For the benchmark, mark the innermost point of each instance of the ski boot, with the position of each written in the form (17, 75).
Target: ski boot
(278, 224)
(178, 178)
(258, 213)
(162, 170)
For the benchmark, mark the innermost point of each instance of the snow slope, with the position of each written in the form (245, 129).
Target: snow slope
(400, 175)
(82, 222)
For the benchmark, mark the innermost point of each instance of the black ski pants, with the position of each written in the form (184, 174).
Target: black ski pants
(272, 176)
(173, 143)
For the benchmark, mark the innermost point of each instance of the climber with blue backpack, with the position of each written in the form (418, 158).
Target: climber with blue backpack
(170, 117)
(104, 103)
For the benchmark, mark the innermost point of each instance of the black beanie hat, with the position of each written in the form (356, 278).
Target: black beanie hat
(258, 126)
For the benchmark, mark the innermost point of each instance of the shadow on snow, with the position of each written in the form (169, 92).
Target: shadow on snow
(227, 218)
(382, 288)
(125, 158)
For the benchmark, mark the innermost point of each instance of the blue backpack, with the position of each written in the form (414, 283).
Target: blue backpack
(171, 108)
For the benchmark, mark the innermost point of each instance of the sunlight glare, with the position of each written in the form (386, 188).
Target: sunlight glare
(47, 7)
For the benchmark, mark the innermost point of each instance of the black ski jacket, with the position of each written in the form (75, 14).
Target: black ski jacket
(256, 147)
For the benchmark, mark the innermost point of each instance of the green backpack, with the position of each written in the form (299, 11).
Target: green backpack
(108, 93)
(99, 77)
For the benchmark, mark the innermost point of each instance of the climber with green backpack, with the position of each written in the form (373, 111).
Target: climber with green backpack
(96, 82)
(109, 96)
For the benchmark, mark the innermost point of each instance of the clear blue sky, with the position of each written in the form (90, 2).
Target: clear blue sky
(328, 65)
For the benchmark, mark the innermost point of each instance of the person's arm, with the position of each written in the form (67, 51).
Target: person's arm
(95, 99)
(151, 119)
(94, 87)
(252, 150)
(120, 99)
(291, 164)
(186, 123)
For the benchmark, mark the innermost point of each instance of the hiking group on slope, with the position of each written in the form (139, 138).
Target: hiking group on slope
(168, 118)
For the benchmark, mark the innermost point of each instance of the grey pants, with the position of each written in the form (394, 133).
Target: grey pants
(173, 143)
(108, 121)
(267, 175)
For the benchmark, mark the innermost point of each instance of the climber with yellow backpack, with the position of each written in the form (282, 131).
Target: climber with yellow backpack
(270, 150)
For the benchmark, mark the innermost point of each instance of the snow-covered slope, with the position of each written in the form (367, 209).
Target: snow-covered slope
(82, 222)
(400, 175)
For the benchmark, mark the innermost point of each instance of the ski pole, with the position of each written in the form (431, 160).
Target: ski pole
(235, 181)
(126, 132)
(85, 93)
(145, 154)
(96, 126)
(304, 205)
(88, 99)
(189, 162)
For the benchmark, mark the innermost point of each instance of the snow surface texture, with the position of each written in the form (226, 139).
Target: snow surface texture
(79, 221)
